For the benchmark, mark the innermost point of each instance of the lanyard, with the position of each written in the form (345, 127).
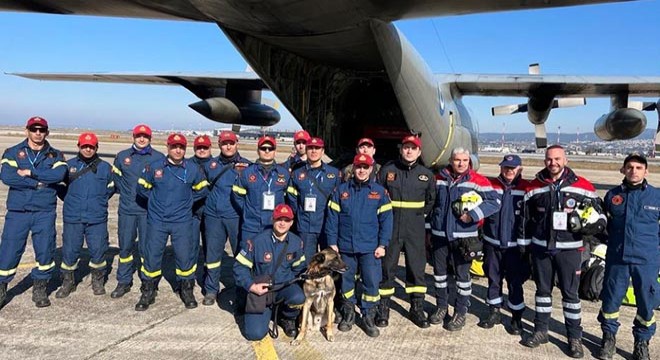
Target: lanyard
(182, 178)
(270, 180)
(311, 182)
(32, 161)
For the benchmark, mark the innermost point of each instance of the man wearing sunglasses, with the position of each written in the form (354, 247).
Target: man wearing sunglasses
(32, 169)
(127, 167)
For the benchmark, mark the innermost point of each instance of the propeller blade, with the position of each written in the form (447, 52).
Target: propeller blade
(541, 137)
(508, 109)
(534, 69)
(568, 102)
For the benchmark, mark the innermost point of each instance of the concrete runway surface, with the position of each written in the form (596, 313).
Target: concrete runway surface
(84, 326)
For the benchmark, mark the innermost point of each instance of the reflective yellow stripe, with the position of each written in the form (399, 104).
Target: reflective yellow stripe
(116, 170)
(370, 298)
(46, 267)
(8, 272)
(614, 315)
(144, 183)
(126, 259)
(243, 260)
(59, 163)
(644, 322)
(98, 266)
(349, 294)
(187, 272)
(386, 292)
(11, 163)
(70, 268)
(151, 274)
(202, 184)
(291, 190)
(300, 261)
(334, 206)
(239, 190)
(386, 207)
(408, 204)
(416, 289)
(214, 265)
(111, 184)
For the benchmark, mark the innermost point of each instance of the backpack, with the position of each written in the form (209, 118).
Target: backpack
(591, 280)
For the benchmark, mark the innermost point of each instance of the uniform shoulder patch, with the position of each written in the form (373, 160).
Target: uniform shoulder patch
(344, 195)
(391, 176)
(127, 161)
(268, 256)
(252, 178)
(289, 256)
(374, 195)
(158, 174)
(213, 165)
(22, 154)
(302, 176)
(423, 178)
(331, 176)
(617, 200)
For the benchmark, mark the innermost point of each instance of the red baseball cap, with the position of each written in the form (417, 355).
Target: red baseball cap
(177, 139)
(202, 140)
(365, 141)
(267, 139)
(282, 211)
(37, 121)
(412, 139)
(227, 136)
(88, 138)
(142, 129)
(301, 135)
(318, 142)
(362, 159)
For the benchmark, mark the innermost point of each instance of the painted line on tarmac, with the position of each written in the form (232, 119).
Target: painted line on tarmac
(264, 349)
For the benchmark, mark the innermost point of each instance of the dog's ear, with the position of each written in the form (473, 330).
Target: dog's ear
(319, 258)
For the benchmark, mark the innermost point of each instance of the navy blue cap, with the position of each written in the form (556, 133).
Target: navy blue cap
(511, 161)
(636, 157)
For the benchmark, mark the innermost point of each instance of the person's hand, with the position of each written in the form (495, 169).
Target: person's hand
(466, 218)
(259, 289)
(335, 248)
(24, 172)
(379, 252)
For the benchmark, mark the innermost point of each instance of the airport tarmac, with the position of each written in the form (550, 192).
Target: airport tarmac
(84, 326)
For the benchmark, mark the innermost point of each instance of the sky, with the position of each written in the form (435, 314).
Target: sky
(609, 39)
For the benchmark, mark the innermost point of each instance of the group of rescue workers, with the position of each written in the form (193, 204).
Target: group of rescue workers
(366, 212)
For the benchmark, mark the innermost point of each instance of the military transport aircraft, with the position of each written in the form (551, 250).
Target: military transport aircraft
(345, 71)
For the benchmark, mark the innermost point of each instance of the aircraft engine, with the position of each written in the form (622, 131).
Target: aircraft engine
(620, 124)
(538, 109)
(223, 110)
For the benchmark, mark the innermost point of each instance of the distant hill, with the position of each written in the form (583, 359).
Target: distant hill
(565, 137)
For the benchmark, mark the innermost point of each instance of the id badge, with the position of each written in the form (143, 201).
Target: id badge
(268, 201)
(559, 220)
(310, 203)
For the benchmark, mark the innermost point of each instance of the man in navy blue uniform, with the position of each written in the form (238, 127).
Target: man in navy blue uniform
(31, 170)
(633, 210)
(464, 198)
(502, 258)
(309, 189)
(552, 202)
(221, 218)
(359, 227)
(202, 149)
(299, 155)
(364, 146)
(89, 185)
(171, 186)
(278, 254)
(127, 167)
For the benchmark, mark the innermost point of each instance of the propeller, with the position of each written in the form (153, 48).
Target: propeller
(650, 106)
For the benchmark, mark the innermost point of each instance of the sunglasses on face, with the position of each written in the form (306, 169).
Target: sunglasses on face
(363, 167)
(267, 148)
(205, 148)
(38, 130)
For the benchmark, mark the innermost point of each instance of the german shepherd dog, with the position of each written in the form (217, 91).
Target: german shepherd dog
(319, 289)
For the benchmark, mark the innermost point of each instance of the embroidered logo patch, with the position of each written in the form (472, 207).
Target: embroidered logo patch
(158, 174)
(344, 195)
(252, 178)
(374, 195)
(423, 178)
(72, 170)
(570, 203)
(213, 165)
(127, 161)
(21, 154)
(289, 256)
(301, 176)
(331, 176)
(617, 200)
(268, 257)
(391, 176)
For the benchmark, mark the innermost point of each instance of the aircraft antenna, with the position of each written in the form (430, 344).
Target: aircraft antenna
(558, 134)
(503, 131)
(442, 45)
(577, 137)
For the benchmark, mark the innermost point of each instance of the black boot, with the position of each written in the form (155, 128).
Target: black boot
(641, 350)
(289, 326)
(3, 293)
(186, 293)
(607, 346)
(536, 339)
(338, 315)
(575, 348)
(348, 316)
(438, 315)
(148, 296)
(494, 317)
(515, 328)
(209, 299)
(457, 322)
(368, 323)
(416, 313)
(68, 284)
(98, 281)
(383, 313)
(120, 290)
(39, 293)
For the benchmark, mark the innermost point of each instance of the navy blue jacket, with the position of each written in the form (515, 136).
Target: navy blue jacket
(37, 192)
(326, 179)
(248, 192)
(359, 217)
(198, 205)
(171, 189)
(501, 228)
(220, 191)
(293, 162)
(633, 225)
(86, 199)
(128, 166)
(260, 256)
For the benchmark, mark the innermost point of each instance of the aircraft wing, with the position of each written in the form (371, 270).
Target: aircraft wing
(202, 85)
(557, 85)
